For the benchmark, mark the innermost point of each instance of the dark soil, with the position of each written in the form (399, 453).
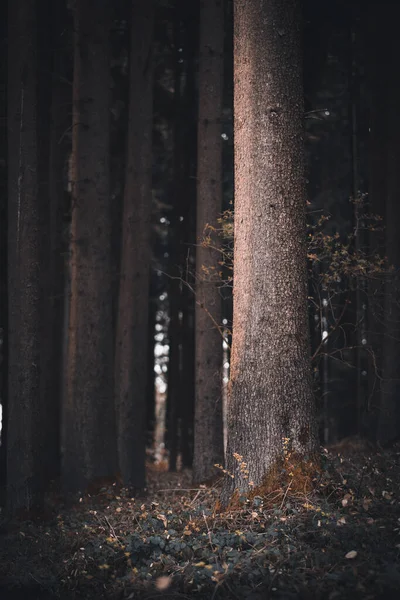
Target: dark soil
(341, 540)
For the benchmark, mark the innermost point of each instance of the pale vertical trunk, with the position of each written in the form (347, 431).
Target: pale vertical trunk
(271, 395)
(208, 429)
(131, 337)
(25, 410)
(89, 449)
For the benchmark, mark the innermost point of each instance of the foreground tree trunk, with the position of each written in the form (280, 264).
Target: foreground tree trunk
(208, 429)
(271, 394)
(131, 337)
(25, 415)
(89, 448)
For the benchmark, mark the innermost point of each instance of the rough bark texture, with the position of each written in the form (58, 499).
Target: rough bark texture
(271, 394)
(208, 432)
(88, 432)
(131, 337)
(25, 409)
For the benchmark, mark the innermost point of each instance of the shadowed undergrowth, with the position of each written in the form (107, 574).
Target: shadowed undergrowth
(339, 538)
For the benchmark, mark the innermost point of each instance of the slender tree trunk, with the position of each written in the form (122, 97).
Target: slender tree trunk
(150, 380)
(188, 380)
(131, 339)
(271, 395)
(89, 448)
(46, 64)
(361, 312)
(61, 107)
(174, 383)
(3, 253)
(187, 202)
(389, 416)
(208, 434)
(25, 435)
(377, 191)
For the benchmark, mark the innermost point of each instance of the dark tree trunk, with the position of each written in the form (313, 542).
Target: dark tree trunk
(89, 448)
(3, 252)
(377, 190)
(361, 296)
(389, 415)
(188, 380)
(61, 108)
(174, 386)
(208, 434)
(150, 381)
(271, 394)
(187, 202)
(26, 414)
(131, 338)
(46, 64)
(174, 376)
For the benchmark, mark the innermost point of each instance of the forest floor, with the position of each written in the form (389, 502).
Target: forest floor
(340, 540)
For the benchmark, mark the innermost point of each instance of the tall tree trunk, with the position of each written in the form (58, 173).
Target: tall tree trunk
(25, 435)
(3, 253)
(389, 416)
(175, 230)
(150, 378)
(46, 64)
(377, 192)
(61, 106)
(89, 448)
(208, 433)
(361, 310)
(131, 337)
(174, 375)
(187, 202)
(271, 394)
(188, 380)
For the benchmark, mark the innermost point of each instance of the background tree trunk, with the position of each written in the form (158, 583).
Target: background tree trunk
(376, 41)
(3, 252)
(174, 375)
(389, 415)
(208, 432)
(150, 373)
(25, 434)
(187, 231)
(271, 395)
(131, 339)
(89, 437)
(47, 38)
(61, 108)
